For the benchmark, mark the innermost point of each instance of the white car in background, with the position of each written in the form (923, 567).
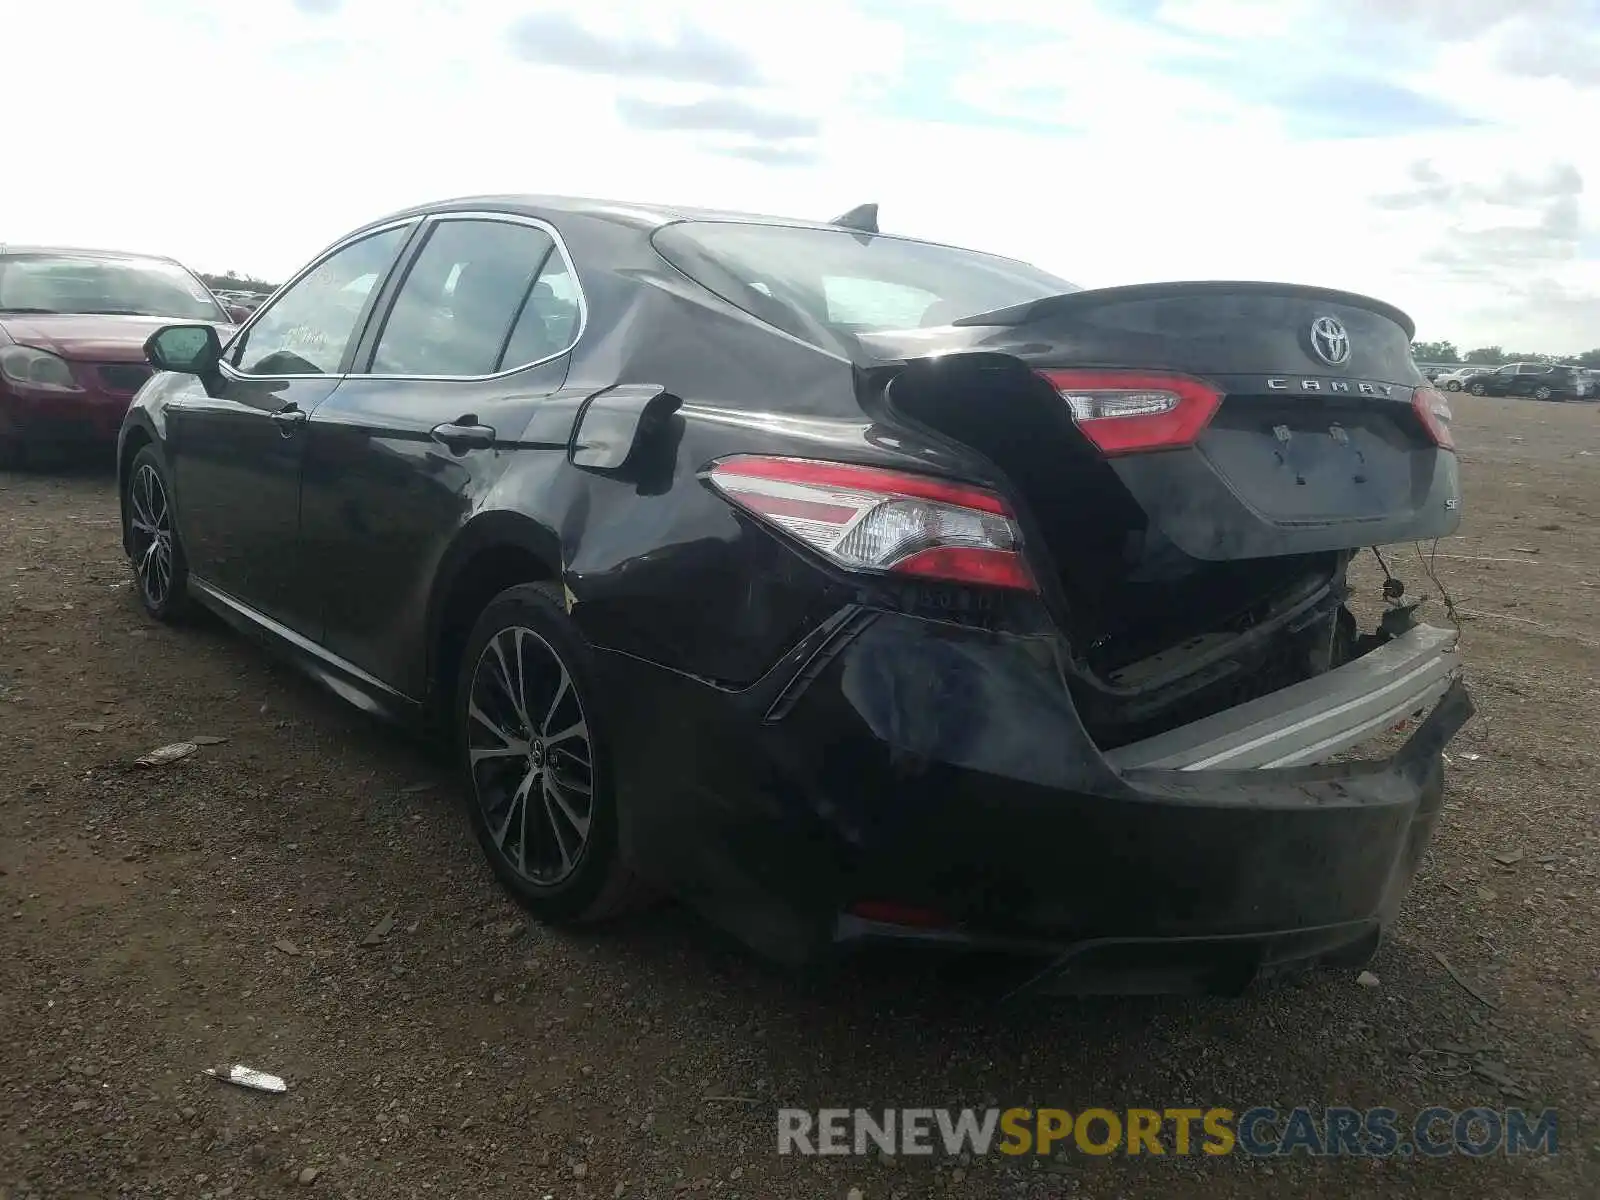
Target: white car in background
(1454, 381)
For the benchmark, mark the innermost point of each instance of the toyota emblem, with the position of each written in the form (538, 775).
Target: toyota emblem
(1330, 342)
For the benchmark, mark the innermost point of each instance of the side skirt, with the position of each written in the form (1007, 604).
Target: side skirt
(344, 679)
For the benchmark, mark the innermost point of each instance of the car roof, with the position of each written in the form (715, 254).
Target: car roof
(9, 249)
(622, 212)
(640, 217)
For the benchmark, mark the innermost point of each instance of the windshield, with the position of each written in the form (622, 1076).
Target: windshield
(64, 283)
(840, 282)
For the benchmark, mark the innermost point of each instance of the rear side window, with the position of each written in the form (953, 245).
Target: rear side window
(483, 296)
(828, 285)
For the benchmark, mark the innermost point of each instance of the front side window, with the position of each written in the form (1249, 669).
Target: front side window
(311, 323)
(82, 283)
(483, 296)
(1511, 370)
(840, 283)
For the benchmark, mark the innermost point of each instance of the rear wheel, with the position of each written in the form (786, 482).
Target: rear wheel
(160, 571)
(1477, 389)
(1542, 393)
(533, 748)
(1452, 386)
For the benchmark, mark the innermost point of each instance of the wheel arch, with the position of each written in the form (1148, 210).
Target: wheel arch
(134, 439)
(492, 552)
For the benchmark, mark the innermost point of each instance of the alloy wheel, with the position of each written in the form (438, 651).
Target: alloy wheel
(1542, 394)
(151, 522)
(530, 756)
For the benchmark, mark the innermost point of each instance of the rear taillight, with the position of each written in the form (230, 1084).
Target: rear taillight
(1124, 412)
(867, 519)
(1433, 410)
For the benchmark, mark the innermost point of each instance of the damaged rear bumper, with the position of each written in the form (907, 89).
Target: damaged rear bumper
(934, 769)
(1313, 720)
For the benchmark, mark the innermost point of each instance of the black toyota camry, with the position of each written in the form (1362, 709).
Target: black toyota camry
(849, 587)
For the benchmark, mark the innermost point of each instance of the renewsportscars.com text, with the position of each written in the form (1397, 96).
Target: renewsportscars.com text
(1256, 1132)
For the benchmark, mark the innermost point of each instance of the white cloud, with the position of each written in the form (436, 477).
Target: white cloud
(1111, 142)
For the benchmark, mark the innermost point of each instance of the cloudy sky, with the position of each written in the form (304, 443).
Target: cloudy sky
(1437, 153)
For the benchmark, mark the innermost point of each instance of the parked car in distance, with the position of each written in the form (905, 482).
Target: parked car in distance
(850, 587)
(1540, 381)
(73, 324)
(1454, 380)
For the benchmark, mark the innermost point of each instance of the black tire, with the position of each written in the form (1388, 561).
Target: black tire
(160, 577)
(1477, 389)
(1542, 393)
(561, 870)
(1453, 386)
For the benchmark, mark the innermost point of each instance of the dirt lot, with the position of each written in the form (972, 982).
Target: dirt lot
(154, 922)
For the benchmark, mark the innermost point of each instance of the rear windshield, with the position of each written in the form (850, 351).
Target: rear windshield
(830, 284)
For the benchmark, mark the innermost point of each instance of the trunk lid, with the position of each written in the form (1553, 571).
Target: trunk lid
(1195, 571)
(1307, 452)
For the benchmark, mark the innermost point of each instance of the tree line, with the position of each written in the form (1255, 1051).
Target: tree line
(233, 281)
(1494, 356)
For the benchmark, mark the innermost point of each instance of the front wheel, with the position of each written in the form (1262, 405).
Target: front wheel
(160, 571)
(1477, 389)
(533, 748)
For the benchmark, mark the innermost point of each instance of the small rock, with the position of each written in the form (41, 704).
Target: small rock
(1508, 858)
(380, 931)
(616, 1192)
(579, 1170)
(207, 739)
(854, 1194)
(1487, 895)
(285, 946)
(1367, 980)
(309, 1176)
(80, 1106)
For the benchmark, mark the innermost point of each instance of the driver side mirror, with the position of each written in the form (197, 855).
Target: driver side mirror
(189, 349)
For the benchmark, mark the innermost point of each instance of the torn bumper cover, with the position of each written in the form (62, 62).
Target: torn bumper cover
(1200, 858)
(933, 784)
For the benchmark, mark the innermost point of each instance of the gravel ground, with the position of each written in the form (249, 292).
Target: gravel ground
(154, 922)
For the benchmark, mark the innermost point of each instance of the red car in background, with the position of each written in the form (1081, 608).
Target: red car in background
(73, 324)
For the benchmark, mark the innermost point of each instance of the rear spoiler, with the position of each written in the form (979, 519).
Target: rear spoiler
(1066, 302)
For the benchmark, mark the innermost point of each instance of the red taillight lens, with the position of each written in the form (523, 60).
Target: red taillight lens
(1433, 410)
(1125, 412)
(867, 519)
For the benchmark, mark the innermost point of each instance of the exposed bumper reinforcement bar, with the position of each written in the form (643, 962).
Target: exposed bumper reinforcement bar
(1312, 720)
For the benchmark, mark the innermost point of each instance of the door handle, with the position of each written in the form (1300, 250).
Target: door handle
(288, 419)
(463, 434)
